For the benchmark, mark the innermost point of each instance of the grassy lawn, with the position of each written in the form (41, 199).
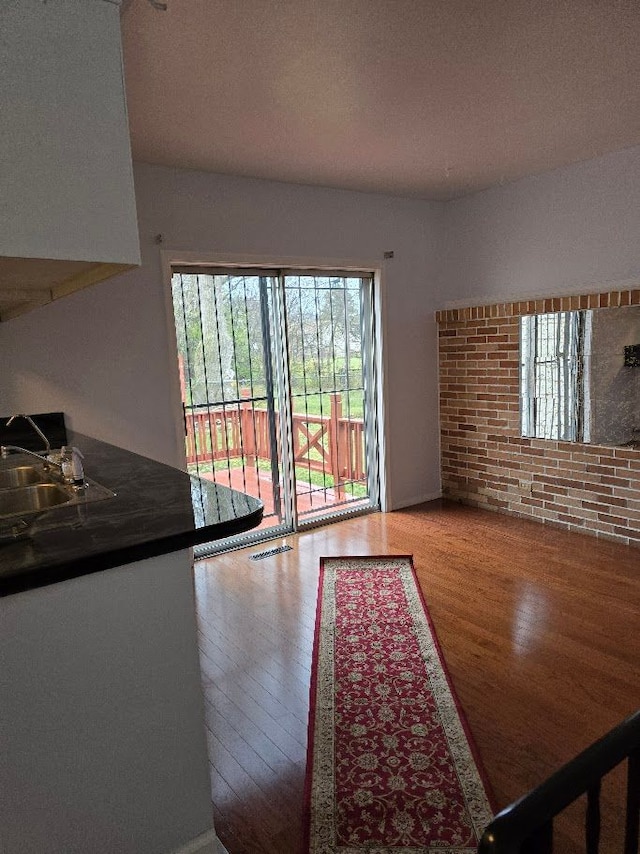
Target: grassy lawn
(319, 404)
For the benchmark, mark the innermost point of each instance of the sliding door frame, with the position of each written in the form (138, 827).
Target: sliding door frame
(295, 265)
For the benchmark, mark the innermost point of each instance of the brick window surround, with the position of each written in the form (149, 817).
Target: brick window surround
(594, 489)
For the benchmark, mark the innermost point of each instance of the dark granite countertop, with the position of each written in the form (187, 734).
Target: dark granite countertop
(157, 509)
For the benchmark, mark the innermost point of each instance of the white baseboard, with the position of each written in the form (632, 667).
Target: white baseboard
(417, 499)
(206, 843)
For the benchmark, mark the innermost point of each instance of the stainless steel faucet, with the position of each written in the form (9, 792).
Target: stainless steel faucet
(44, 457)
(47, 444)
(5, 450)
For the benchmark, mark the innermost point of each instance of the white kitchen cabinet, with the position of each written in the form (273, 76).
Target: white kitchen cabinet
(67, 203)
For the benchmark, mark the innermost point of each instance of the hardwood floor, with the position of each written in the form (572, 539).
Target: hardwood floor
(539, 629)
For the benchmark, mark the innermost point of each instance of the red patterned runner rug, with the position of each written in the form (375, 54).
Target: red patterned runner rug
(391, 768)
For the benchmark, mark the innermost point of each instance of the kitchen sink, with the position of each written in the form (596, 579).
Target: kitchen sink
(21, 476)
(32, 499)
(28, 491)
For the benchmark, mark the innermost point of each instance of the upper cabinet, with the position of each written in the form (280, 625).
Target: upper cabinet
(67, 203)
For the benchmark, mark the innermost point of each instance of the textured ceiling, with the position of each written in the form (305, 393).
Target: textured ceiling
(427, 98)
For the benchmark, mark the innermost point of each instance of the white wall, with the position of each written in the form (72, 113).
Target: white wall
(102, 354)
(574, 229)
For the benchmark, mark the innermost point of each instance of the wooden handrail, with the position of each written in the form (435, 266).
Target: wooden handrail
(216, 431)
(513, 829)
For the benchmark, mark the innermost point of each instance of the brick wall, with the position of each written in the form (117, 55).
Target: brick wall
(485, 462)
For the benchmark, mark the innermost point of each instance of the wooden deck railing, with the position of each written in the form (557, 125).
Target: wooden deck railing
(331, 443)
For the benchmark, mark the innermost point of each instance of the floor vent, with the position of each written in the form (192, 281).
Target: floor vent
(269, 552)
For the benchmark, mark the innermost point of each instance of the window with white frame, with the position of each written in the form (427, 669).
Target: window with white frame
(553, 381)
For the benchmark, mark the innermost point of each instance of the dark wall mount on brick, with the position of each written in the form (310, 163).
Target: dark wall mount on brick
(632, 356)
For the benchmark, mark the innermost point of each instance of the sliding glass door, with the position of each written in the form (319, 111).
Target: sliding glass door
(278, 389)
